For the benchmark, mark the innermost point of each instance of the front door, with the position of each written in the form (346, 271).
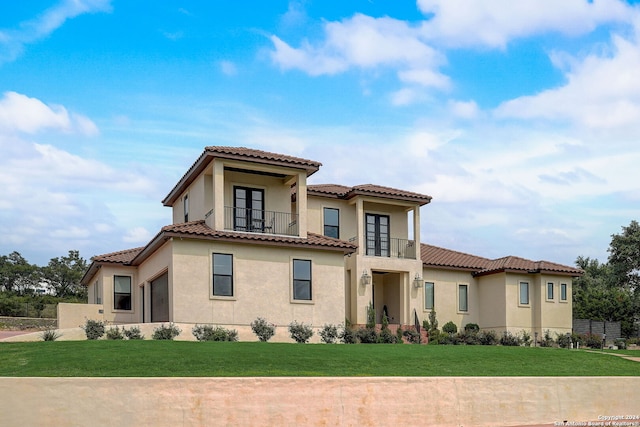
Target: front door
(160, 299)
(248, 209)
(377, 232)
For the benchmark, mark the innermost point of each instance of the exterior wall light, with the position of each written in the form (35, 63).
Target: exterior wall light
(366, 278)
(417, 282)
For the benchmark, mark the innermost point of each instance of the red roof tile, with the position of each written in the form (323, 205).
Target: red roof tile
(344, 192)
(237, 153)
(120, 257)
(433, 256)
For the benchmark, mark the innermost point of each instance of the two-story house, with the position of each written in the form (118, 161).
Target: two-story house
(250, 238)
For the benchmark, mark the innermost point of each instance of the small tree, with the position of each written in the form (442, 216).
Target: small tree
(300, 332)
(263, 330)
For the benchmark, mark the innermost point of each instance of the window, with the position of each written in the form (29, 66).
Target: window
(524, 293)
(122, 292)
(377, 233)
(186, 208)
(550, 290)
(563, 292)
(332, 223)
(223, 275)
(428, 295)
(302, 279)
(248, 204)
(463, 300)
(97, 293)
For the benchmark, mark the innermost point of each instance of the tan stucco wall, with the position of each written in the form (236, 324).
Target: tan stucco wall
(446, 297)
(436, 401)
(262, 285)
(106, 274)
(154, 266)
(492, 301)
(74, 315)
(348, 224)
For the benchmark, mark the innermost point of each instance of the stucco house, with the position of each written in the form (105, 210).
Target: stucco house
(251, 238)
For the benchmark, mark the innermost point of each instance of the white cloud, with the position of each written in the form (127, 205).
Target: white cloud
(228, 68)
(137, 235)
(494, 23)
(602, 92)
(19, 113)
(464, 109)
(366, 43)
(12, 41)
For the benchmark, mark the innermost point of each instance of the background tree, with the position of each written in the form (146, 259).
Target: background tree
(17, 274)
(63, 275)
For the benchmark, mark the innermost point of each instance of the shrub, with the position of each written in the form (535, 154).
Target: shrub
(593, 341)
(300, 332)
(508, 339)
(114, 334)
(525, 338)
(425, 325)
(621, 344)
(471, 327)
(546, 340)
(488, 337)
(367, 335)
(449, 328)
(412, 336)
(348, 335)
(217, 333)
(94, 329)
(371, 316)
(263, 330)
(399, 335)
(448, 339)
(50, 335)
(329, 334)
(468, 338)
(133, 333)
(564, 340)
(166, 332)
(434, 336)
(386, 337)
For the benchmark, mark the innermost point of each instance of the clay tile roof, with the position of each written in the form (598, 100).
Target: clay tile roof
(441, 257)
(521, 264)
(335, 190)
(237, 153)
(120, 257)
(344, 192)
(263, 155)
(200, 229)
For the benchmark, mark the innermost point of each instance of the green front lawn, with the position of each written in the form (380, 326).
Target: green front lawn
(218, 359)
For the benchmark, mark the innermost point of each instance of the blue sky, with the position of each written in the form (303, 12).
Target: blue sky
(521, 119)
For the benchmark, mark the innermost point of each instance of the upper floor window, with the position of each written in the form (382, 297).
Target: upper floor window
(550, 290)
(563, 292)
(463, 298)
(302, 279)
(185, 204)
(377, 234)
(248, 207)
(122, 292)
(332, 223)
(223, 275)
(428, 295)
(524, 293)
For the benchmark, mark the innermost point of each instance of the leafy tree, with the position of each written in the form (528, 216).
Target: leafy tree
(624, 257)
(63, 275)
(17, 274)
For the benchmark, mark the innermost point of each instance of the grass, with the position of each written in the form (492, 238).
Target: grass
(224, 359)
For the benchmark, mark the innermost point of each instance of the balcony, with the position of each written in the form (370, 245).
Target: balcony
(260, 221)
(391, 247)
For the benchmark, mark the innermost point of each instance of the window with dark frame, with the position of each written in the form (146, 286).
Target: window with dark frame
(524, 293)
(222, 275)
(98, 292)
(550, 290)
(463, 298)
(302, 279)
(332, 222)
(186, 208)
(428, 295)
(563, 291)
(122, 292)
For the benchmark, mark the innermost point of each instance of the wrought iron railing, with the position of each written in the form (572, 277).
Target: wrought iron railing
(260, 221)
(389, 247)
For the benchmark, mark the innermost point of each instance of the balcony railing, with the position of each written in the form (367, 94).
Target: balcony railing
(260, 221)
(389, 248)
